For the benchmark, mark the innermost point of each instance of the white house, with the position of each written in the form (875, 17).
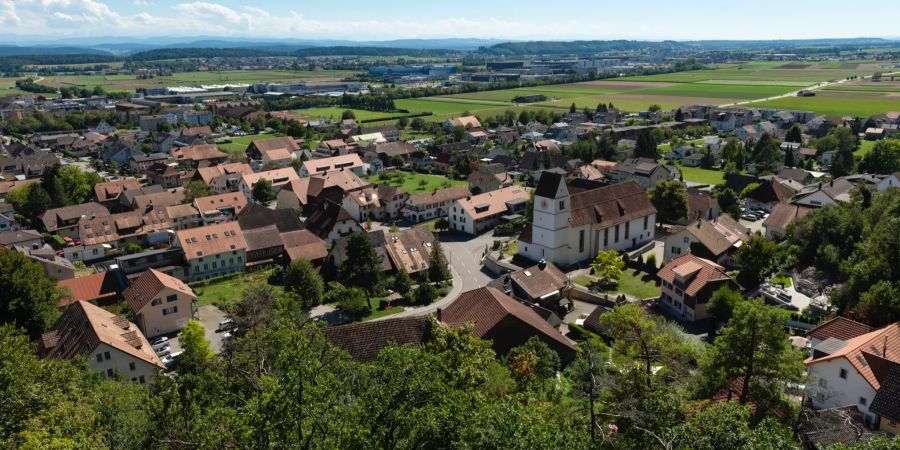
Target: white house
(323, 165)
(569, 228)
(434, 204)
(479, 213)
(892, 180)
(846, 362)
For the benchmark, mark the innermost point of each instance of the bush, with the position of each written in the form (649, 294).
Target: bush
(650, 264)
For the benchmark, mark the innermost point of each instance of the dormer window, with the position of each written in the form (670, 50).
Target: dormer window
(562, 205)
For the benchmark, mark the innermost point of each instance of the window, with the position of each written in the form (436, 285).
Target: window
(99, 357)
(605, 237)
(843, 373)
(863, 401)
(171, 298)
(562, 205)
(645, 222)
(627, 229)
(141, 379)
(131, 366)
(617, 234)
(109, 373)
(155, 302)
(687, 240)
(106, 355)
(581, 241)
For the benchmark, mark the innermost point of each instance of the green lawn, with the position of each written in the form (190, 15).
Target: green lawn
(631, 283)
(238, 145)
(864, 148)
(838, 104)
(704, 176)
(413, 183)
(227, 292)
(375, 313)
(334, 113)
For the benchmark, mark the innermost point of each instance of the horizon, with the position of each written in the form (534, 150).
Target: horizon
(356, 20)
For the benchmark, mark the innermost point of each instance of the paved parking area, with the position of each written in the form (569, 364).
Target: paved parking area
(209, 317)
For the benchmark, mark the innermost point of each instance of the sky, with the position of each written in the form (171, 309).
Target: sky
(496, 19)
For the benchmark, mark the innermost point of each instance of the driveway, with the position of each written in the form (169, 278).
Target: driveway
(209, 317)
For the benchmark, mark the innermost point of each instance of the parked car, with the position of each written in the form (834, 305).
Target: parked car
(225, 325)
(159, 343)
(749, 216)
(164, 351)
(170, 361)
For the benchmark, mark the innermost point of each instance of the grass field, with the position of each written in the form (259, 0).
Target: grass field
(228, 292)
(631, 283)
(413, 183)
(703, 176)
(765, 71)
(838, 104)
(864, 148)
(334, 113)
(723, 91)
(238, 145)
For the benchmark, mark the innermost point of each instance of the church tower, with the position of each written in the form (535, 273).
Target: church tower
(552, 206)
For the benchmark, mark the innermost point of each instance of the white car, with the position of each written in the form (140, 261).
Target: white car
(164, 351)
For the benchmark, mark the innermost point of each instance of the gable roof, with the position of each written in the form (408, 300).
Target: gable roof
(212, 203)
(211, 240)
(695, 271)
(52, 218)
(784, 214)
(324, 218)
(486, 307)
(111, 190)
(439, 195)
(610, 205)
(495, 201)
(198, 153)
(465, 122)
(255, 216)
(277, 177)
(304, 244)
(264, 145)
(717, 235)
(884, 343)
(148, 285)
(322, 165)
(90, 288)
(365, 340)
(886, 402)
(841, 328)
(83, 327)
(538, 282)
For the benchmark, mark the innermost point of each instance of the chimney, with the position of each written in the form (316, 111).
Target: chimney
(542, 264)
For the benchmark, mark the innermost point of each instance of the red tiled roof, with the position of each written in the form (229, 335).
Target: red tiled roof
(841, 328)
(696, 271)
(884, 343)
(147, 286)
(365, 340)
(89, 288)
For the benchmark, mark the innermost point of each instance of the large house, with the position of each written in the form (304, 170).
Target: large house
(278, 177)
(688, 283)
(408, 249)
(572, 225)
(349, 161)
(259, 147)
(196, 155)
(716, 239)
(434, 204)
(379, 202)
(161, 304)
(308, 191)
(646, 172)
(854, 365)
(110, 343)
(477, 214)
(780, 219)
(64, 221)
(213, 250)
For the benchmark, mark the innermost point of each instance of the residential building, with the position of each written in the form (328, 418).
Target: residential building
(379, 202)
(850, 366)
(223, 178)
(277, 158)
(161, 304)
(197, 155)
(64, 221)
(479, 213)
(717, 240)
(101, 288)
(409, 249)
(365, 340)
(504, 321)
(688, 283)
(110, 344)
(482, 181)
(220, 207)
(21, 238)
(329, 221)
(350, 162)
(303, 244)
(8, 221)
(434, 204)
(213, 250)
(781, 217)
(108, 193)
(571, 225)
(889, 181)
(467, 122)
(258, 147)
(307, 191)
(182, 217)
(543, 284)
(646, 172)
(278, 177)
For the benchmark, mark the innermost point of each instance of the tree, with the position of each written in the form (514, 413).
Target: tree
(884, 158)
(362, 268)
(438, 269)
(573, 109)
(755, 257)
(722, 303)
(77, 184)
(533, 361)
(262, 191)
(353, 301)
(27, 297)
(197, 355)
(788, 158)
(194, 190)
(670, 200)
(441, 224)
(766, 154)
(754, 351)
(728, 425)
(256, 308)
(880, 304)
(646, 146)
(734, 152)
(425, 294)
(303, 281)
(654, 108)
(728, 200)
(459, 133)
(608, 266)
(402, 283)
(794, 135)
(402, 122)
(418, 124)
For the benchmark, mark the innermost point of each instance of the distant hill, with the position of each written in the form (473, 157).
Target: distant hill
(574, 47)
(15, 50)
(369, 51)
(181, 53)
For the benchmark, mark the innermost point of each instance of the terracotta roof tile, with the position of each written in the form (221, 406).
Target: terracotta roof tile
(695, 271)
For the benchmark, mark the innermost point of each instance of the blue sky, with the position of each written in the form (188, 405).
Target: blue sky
(500, 19)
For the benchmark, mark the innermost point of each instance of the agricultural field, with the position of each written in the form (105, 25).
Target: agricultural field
(334, 113)
(128, 83)
(772, 71)
(831, 103)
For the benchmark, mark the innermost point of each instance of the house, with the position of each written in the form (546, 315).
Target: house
(330, 221)
(507, 323)
(53, 265)
(780, 218)
(716, 239)
(213, 250)
(220, 207)
(467, 122)
(277, 158)
(365, 340)
(542, 284)
(64, 221)
(28, 166)
(350, 162)
(303, 244)
(766, 194)
(476, 214)
(889, 181)
(434, 204)
(107, 193)
(161, 304)
(482, 181)
(197, 155)
(307, 191)
(182, 217)
(701, 205)
(874, 134)
(688, 283)
(335, 147)
(109, 343)
(824, 194)
(8, 221)
(141, 162)
(157, 121)
(799, 175)
(168, 175)
(409, 249)
(379, 202)
(278, 177)
(21, 238)
(258, 147)
(850, 365)
(572, 225)
(589, 172)
(223, 178)
(263, 229)
(390, 133)
(646, 172)
(101, 288)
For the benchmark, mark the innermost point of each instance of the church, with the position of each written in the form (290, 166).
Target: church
(573, 222)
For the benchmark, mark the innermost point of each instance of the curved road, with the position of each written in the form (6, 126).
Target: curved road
(814, 87)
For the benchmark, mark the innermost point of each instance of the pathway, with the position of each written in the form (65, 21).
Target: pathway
(814, 87)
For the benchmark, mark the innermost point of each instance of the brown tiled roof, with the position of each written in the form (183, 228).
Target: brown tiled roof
(303, 244)
(159, 199)
(717, 235)
(278, 177)
(439, 195)
(211, 240)
(784, 214)
(208, 173)
(348, 161)
(886, 402)
(264, 145)
(198, 153)
(262, 238)
(323, 219)
(696, 272)
(9, 238)
(111, 190)
(487, 307)
(66, 213)
(610, 205)
(391, 149)
(465, 122)
(90, 288)
(83, 326)
(495, 201)
(537, 282)
(840, 328)
(365, 340)
(236, 200)
(312, 186)
(884, 343)
(197, 131)
(408, 249)
(699, 203)
(147, 286)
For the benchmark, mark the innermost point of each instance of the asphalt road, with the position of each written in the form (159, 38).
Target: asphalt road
(813, 87)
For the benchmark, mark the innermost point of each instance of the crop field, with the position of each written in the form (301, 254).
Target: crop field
(724, 91)
(334, 113)
(832, 103)
(771, 71)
